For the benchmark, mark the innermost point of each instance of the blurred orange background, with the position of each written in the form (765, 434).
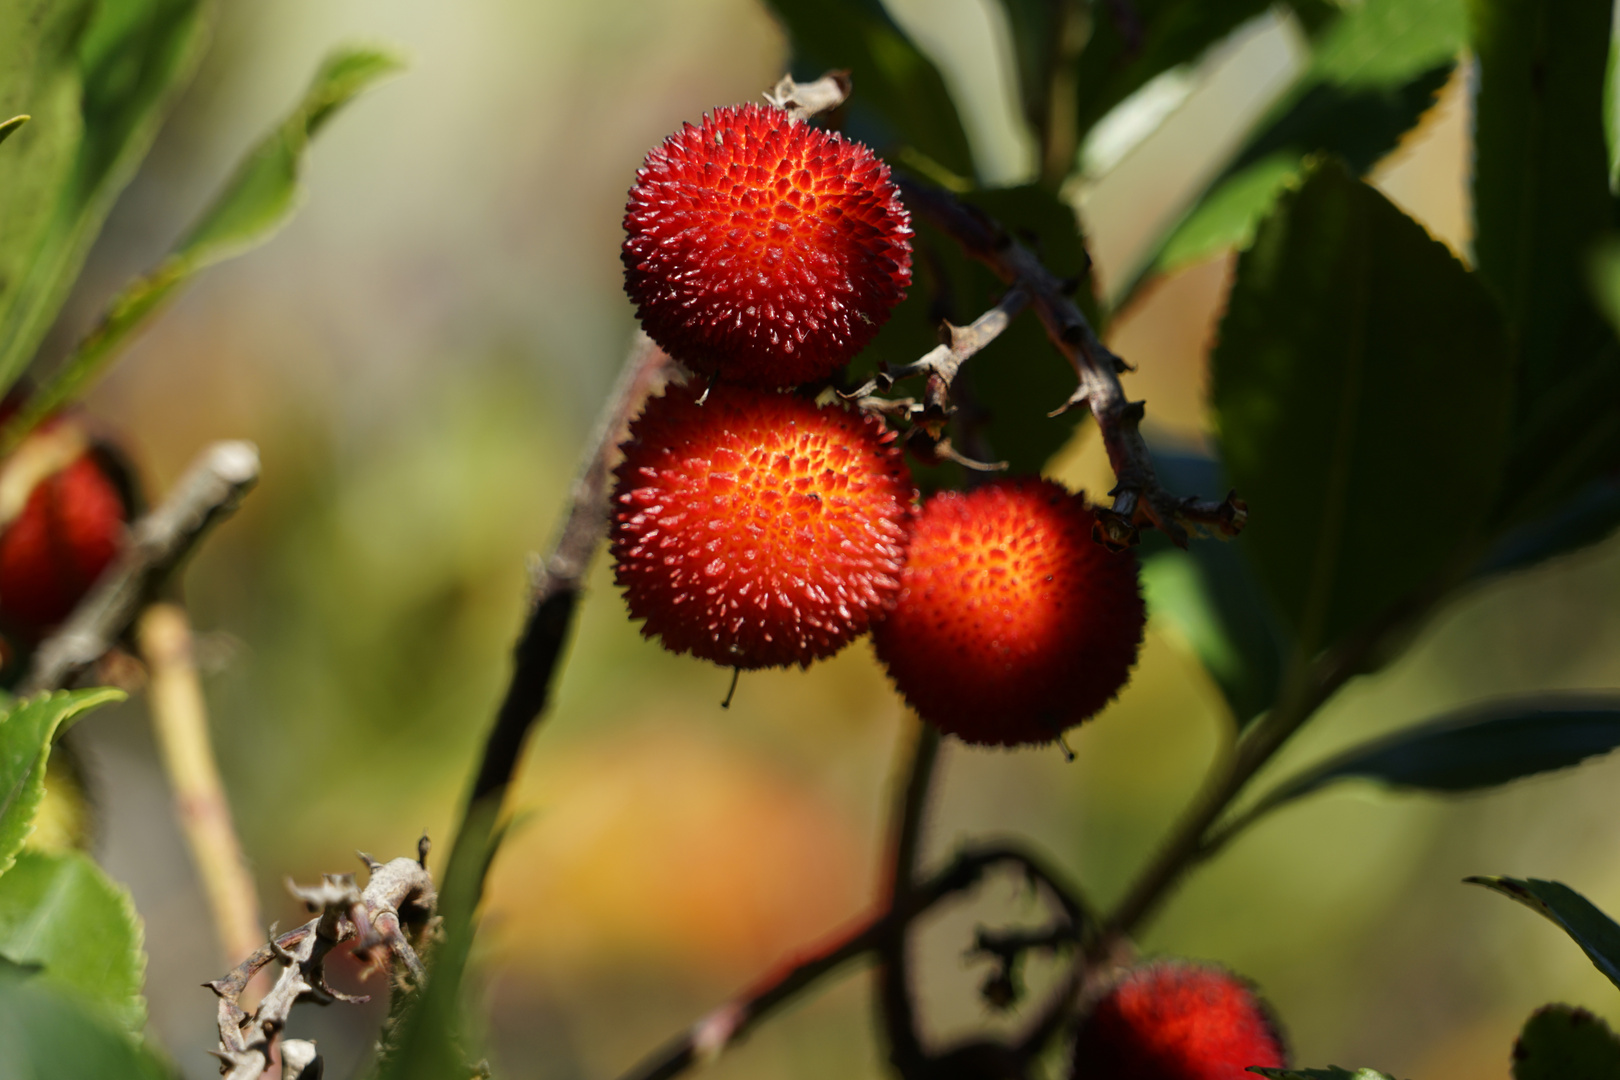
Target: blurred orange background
(418, 356)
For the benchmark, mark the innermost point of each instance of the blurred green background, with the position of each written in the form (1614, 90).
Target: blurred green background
(418, 356)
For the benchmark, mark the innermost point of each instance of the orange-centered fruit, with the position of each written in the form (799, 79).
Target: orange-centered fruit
(756, 530)
(1178, 1021)
(763, 249)
(1012, 624)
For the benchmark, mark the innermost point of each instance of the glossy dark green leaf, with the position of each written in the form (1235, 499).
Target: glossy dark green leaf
(26, 730)
(1592, 515)
(1474, 748)
(61, 913)
(1361, 389)
(1541, 171)
(1596, 933)
(1561, 1042)
(255, 203)
(1332, 1072)
(1209, 594)
(1132, 43)
(97, 78)
(898, 90)
(1036, 28)
(1373, 72)
(48, 1034)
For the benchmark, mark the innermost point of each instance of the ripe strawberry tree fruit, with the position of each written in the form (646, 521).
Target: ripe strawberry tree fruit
(1173, 1020)
(64, 532)
(754, 529)
(763, 249)
(1013, 624)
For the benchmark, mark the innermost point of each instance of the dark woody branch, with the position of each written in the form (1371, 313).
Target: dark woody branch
(1139, 499)
(729, 1023)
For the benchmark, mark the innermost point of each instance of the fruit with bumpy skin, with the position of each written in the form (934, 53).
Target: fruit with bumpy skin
(763, 249)
(1013, 625)
(1173, 1020)
(63, 536)
(755, 529)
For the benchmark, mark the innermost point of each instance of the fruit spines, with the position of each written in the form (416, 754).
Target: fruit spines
(1013, 624)
(753, 529)
(1175, 1020)
(763, 249)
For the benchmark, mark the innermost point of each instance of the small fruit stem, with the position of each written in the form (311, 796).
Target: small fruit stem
(180, 727)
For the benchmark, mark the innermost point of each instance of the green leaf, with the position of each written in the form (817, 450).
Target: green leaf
(899, 94)
(97, 78)
(1561, 1042)
(1541, 171)
(1124, 53)
(1332, 1072)
(1592, 515)
(1210, 595)
(62, 913)
(1472, 749)
(1374, 71)
(9, 127)
(255, 203)
(1358, 362)
(1593, 931)
(48, 1035)
(26, 730)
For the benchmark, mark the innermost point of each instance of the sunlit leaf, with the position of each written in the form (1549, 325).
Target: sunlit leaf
(1561, 1042)
(1593, 931)
(97, 78)
(62, 913)
(26, 730)
(255, 203)
(10, 127)
(1338, 394)
(897, 88)
(47, 1034)
(1373, 72)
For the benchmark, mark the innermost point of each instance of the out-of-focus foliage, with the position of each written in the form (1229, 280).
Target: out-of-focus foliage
(45, 1032)
(26, 731)
(97, 78)
(62, 913)
(256, 202)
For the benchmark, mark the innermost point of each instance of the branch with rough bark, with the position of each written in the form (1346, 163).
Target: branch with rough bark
(158, 543)
(396, 905)
(1139, 499)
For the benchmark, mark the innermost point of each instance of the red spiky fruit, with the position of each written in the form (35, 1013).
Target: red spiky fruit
(755, 529)
(1013, 625)
(63, 536)
(763, 249)
(1173, 1020)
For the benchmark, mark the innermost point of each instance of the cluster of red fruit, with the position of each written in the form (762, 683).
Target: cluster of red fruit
(754, 528)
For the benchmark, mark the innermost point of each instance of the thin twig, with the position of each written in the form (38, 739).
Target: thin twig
(728, 1024)
(895, 1002)
(1139, 500)
(209, 492)
(399, 894)
(180, 728)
